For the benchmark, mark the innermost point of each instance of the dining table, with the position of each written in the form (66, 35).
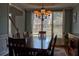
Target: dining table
(36, 42)
(29, 45)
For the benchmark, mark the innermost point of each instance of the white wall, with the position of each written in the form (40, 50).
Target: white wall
(75, 25)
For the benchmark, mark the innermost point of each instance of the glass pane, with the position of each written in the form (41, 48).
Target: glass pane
(36, 25)
(47, 25)
(58, 23)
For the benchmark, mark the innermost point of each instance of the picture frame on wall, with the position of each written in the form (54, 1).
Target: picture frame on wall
(74, 17)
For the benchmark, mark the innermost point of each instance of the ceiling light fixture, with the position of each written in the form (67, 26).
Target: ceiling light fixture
(42, 13)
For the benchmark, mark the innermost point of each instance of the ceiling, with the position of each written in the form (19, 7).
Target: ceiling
(46, 5)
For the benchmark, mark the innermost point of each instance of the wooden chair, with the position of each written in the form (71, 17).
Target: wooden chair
(14, 45)
(18, 47)
(24, 51)
(54, 43)
(10, 46)
(50, 43)
(78, 47)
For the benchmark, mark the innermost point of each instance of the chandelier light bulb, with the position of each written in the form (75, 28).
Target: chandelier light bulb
(43, 11)
(47, 14)
(49, 11)
(36, 12)
(39, 14)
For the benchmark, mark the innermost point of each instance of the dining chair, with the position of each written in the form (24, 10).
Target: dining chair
(14, 45)
(54, 43)
(50, 43)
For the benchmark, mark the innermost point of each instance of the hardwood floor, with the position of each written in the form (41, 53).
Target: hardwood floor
(59, 52)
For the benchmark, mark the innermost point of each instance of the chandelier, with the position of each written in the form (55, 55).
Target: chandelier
(42, 13)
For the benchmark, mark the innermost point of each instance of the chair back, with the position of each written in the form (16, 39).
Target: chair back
(50, 43)
(13, 45)
(54, 43)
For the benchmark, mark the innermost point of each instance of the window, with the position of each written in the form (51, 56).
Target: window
(58, 23)
(36, 25)
(46, 25)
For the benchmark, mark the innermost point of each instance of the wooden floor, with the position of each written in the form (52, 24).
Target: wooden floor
(59, 52)
(62, 46)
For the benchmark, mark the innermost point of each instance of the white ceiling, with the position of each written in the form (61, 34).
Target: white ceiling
(46, 5)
